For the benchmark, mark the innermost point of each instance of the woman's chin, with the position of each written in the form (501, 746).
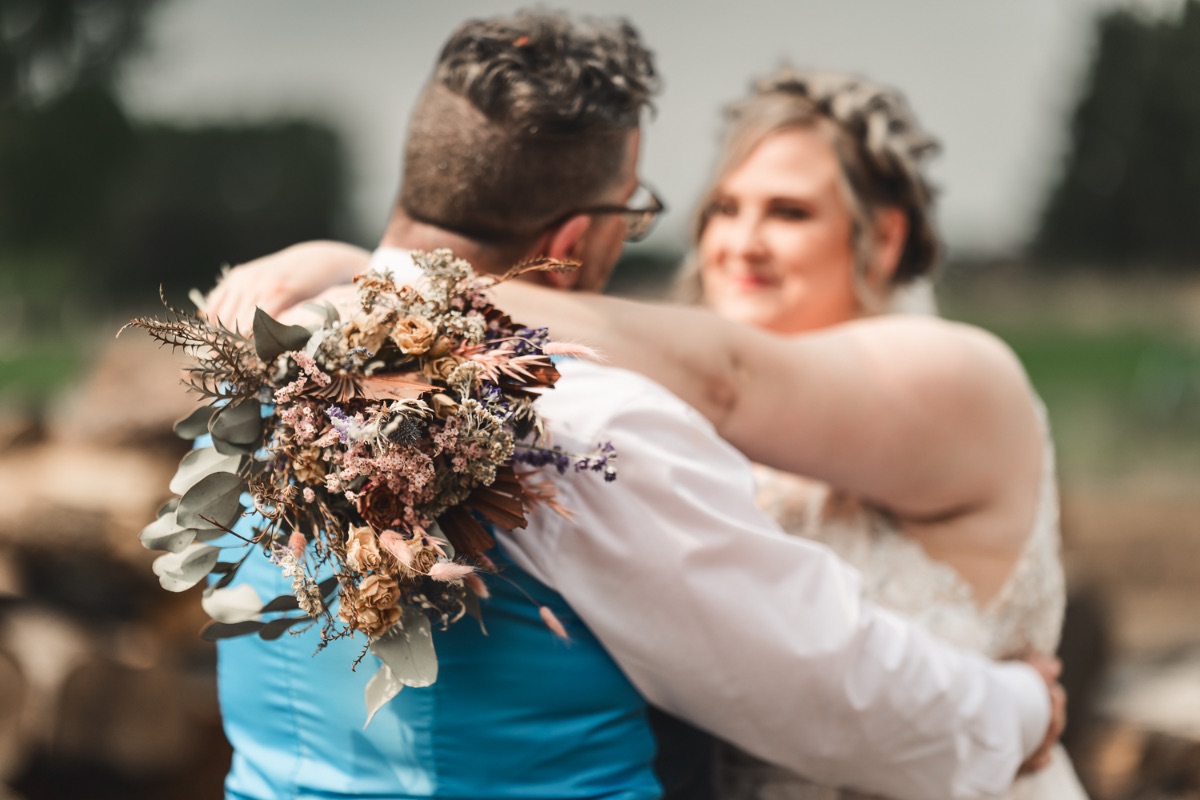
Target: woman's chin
(749, 311)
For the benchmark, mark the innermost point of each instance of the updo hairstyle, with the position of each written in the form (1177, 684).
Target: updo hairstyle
(880, 146)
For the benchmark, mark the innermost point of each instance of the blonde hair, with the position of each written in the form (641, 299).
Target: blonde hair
(880, 147)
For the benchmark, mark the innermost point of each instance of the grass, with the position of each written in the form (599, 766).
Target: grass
(1119, 375)
(32, 375)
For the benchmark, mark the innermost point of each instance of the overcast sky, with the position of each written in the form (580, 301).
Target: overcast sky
(994, 80)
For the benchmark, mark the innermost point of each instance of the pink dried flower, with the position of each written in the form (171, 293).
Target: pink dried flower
(395, 544)
(552, 623)
(450, 571)
(296, 543)
(572, 349)
(476, 585)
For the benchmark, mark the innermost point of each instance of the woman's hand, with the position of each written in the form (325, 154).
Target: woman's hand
(283, 280)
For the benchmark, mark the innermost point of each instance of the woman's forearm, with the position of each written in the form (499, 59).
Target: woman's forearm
(689, 351)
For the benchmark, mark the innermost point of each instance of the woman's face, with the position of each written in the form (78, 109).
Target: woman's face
(776, 252)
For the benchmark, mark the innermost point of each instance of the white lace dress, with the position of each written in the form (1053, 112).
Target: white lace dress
(897, 574)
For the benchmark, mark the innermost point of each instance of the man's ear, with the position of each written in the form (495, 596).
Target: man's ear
(565, 243)
(891, 234)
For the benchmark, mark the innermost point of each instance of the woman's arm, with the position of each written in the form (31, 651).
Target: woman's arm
(284, 279)
(927, 417)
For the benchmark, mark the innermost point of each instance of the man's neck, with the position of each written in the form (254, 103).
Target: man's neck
(408, 234)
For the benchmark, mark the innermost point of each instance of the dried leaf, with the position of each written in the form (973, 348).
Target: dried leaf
(238, 423)
(397, 386)
(272, 338)
(239, 604)
(228, 630)
(200, 462)
(194, 424)
(382, 687)
(541, 264)
(407, 649)
(178, 572)
(466, 533)
(166, 534)
(278, 627)
(214, 497)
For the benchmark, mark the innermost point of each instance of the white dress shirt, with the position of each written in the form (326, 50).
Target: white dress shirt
(720, 618)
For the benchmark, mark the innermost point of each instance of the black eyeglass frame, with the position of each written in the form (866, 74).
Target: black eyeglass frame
(639, 221)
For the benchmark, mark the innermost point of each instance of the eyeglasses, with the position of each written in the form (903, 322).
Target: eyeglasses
(640, 213)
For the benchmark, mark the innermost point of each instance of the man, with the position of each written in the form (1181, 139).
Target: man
(674, 587)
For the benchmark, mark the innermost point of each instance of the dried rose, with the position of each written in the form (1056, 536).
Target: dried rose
(362, 552)
(368, 331)
(440, 368)
(308, 466)
(414, 335)
(380, 508)
(415, 556)
(372, 607)
(379, 591)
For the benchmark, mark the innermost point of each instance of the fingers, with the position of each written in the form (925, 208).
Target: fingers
(1050, 669)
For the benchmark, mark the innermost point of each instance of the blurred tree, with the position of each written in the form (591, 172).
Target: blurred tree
(97, 207)
(1129, 192)
(195, 199)
(51, 47)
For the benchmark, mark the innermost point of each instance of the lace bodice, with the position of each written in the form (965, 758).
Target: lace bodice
(897, 573)
(1026, 614)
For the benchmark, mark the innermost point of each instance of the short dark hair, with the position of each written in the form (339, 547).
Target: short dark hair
(524, 118)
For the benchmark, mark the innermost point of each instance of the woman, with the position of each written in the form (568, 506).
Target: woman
(912, 445)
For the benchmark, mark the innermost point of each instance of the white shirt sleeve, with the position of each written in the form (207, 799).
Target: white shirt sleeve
(760, 638)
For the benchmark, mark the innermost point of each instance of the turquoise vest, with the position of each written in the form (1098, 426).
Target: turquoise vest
(517, 713)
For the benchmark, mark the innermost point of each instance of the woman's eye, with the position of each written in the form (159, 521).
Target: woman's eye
(723, 208)
(791, 212)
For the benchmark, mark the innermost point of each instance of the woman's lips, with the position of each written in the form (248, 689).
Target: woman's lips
(749, 283)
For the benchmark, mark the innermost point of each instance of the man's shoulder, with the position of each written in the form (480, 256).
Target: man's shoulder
(591, 397)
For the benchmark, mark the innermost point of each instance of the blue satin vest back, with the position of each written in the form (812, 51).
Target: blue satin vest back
(516, 713)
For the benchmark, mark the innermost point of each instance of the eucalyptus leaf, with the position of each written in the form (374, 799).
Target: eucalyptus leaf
(214, 496)
(178, 572)
(239, 604)
(285, 602)
(332, 317)
(194, 424)
(227, 630)
(278, 627)
(166, 534)
(227, 448)
(407, 649)
(227, 571)
(382, 687)
(272, 338)
(238, 423)
(200, 462)
(168, 507)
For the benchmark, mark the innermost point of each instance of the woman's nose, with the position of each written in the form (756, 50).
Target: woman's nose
(744, 236)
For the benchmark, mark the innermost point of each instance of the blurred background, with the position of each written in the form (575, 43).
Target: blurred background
(148, 142)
